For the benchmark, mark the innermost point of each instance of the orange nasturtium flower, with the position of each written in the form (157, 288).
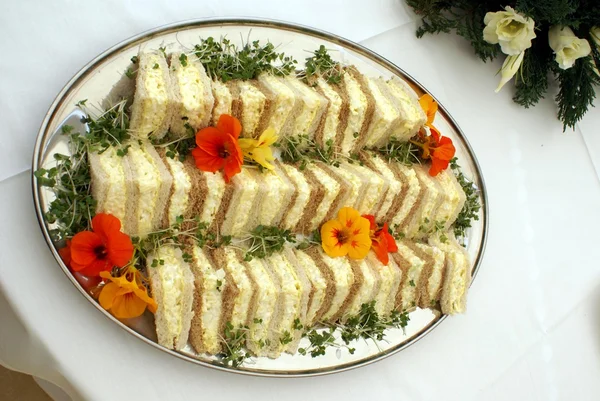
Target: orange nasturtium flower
(259, 149)
(346, 235)
(382, 242)
(100, 250)
(125, 296)
(430, 107)
(439, 149)
(436, 147)
(217, 147)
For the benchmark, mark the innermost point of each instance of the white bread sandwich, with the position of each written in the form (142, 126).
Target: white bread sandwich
(412, 116)
(149, 183)
(288, 307)
(318, 286)
(223, 100)
(172, 284)
(335, 120)
(385, 116)
(193, 100)
(361, 108)
(457, 275)
(152, 108)
(108, 183)
(267, 297)
(210, 286)
(312, 108)
(285, 106)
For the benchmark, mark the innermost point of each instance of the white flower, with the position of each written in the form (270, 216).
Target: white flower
(567, 46)
(512, 30)
(509, 69)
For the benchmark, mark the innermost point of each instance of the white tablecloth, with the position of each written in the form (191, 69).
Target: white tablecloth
(532, 330)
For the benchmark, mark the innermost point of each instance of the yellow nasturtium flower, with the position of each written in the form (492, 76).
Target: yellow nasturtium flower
(347, 235)
(259, 149)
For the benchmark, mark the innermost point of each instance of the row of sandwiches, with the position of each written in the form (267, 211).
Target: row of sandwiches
(176, 95)
(147, 191)
(280, 297)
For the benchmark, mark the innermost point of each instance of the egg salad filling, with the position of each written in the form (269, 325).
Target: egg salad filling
(254, 104)
(386, 279)
(449, 195)
(318, 282)
(154, 106)
(266, 301)
(171, 278)
(355, 186)
(148, 182)
(358, 107)
(216, 185)
(284, 101)
(116, 196)
(375, 186)
(411, 283)
(332, 189)
(275, 190)
(395, 186)
(383, 118)
(333, 113)
(223, 100)
(411, 195)
(343, 278)
(247, 188)
(435, 279)
(211, 301)
(181, 189)
(241, 305)
(365, 293)
(295, 211)
(423, 221)
(191, 90)
(290, 298)
(458, 285)
(412, 118)
(311, 102)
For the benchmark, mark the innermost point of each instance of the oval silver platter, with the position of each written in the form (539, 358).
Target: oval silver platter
(96, 79)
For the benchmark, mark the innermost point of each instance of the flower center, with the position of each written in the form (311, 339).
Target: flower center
(342, 236)
(223, 153)
(100, 252)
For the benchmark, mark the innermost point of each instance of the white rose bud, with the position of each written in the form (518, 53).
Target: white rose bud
(566, 46)
(509, 69)
(510, 29)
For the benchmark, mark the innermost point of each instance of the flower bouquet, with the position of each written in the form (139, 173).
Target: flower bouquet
(540, 39)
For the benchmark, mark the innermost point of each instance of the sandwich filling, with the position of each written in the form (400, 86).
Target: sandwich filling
(148, 181)
(181, 190)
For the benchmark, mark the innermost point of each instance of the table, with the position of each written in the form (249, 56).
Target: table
(532, 330)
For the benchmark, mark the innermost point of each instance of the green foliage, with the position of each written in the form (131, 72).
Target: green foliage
(406, 153)
(470, 210)
(225, 61)
(465, 17)
(532, 81)
(69, 178)
(321, 64)
(266, 240)
(577, 91)
(234, 353)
